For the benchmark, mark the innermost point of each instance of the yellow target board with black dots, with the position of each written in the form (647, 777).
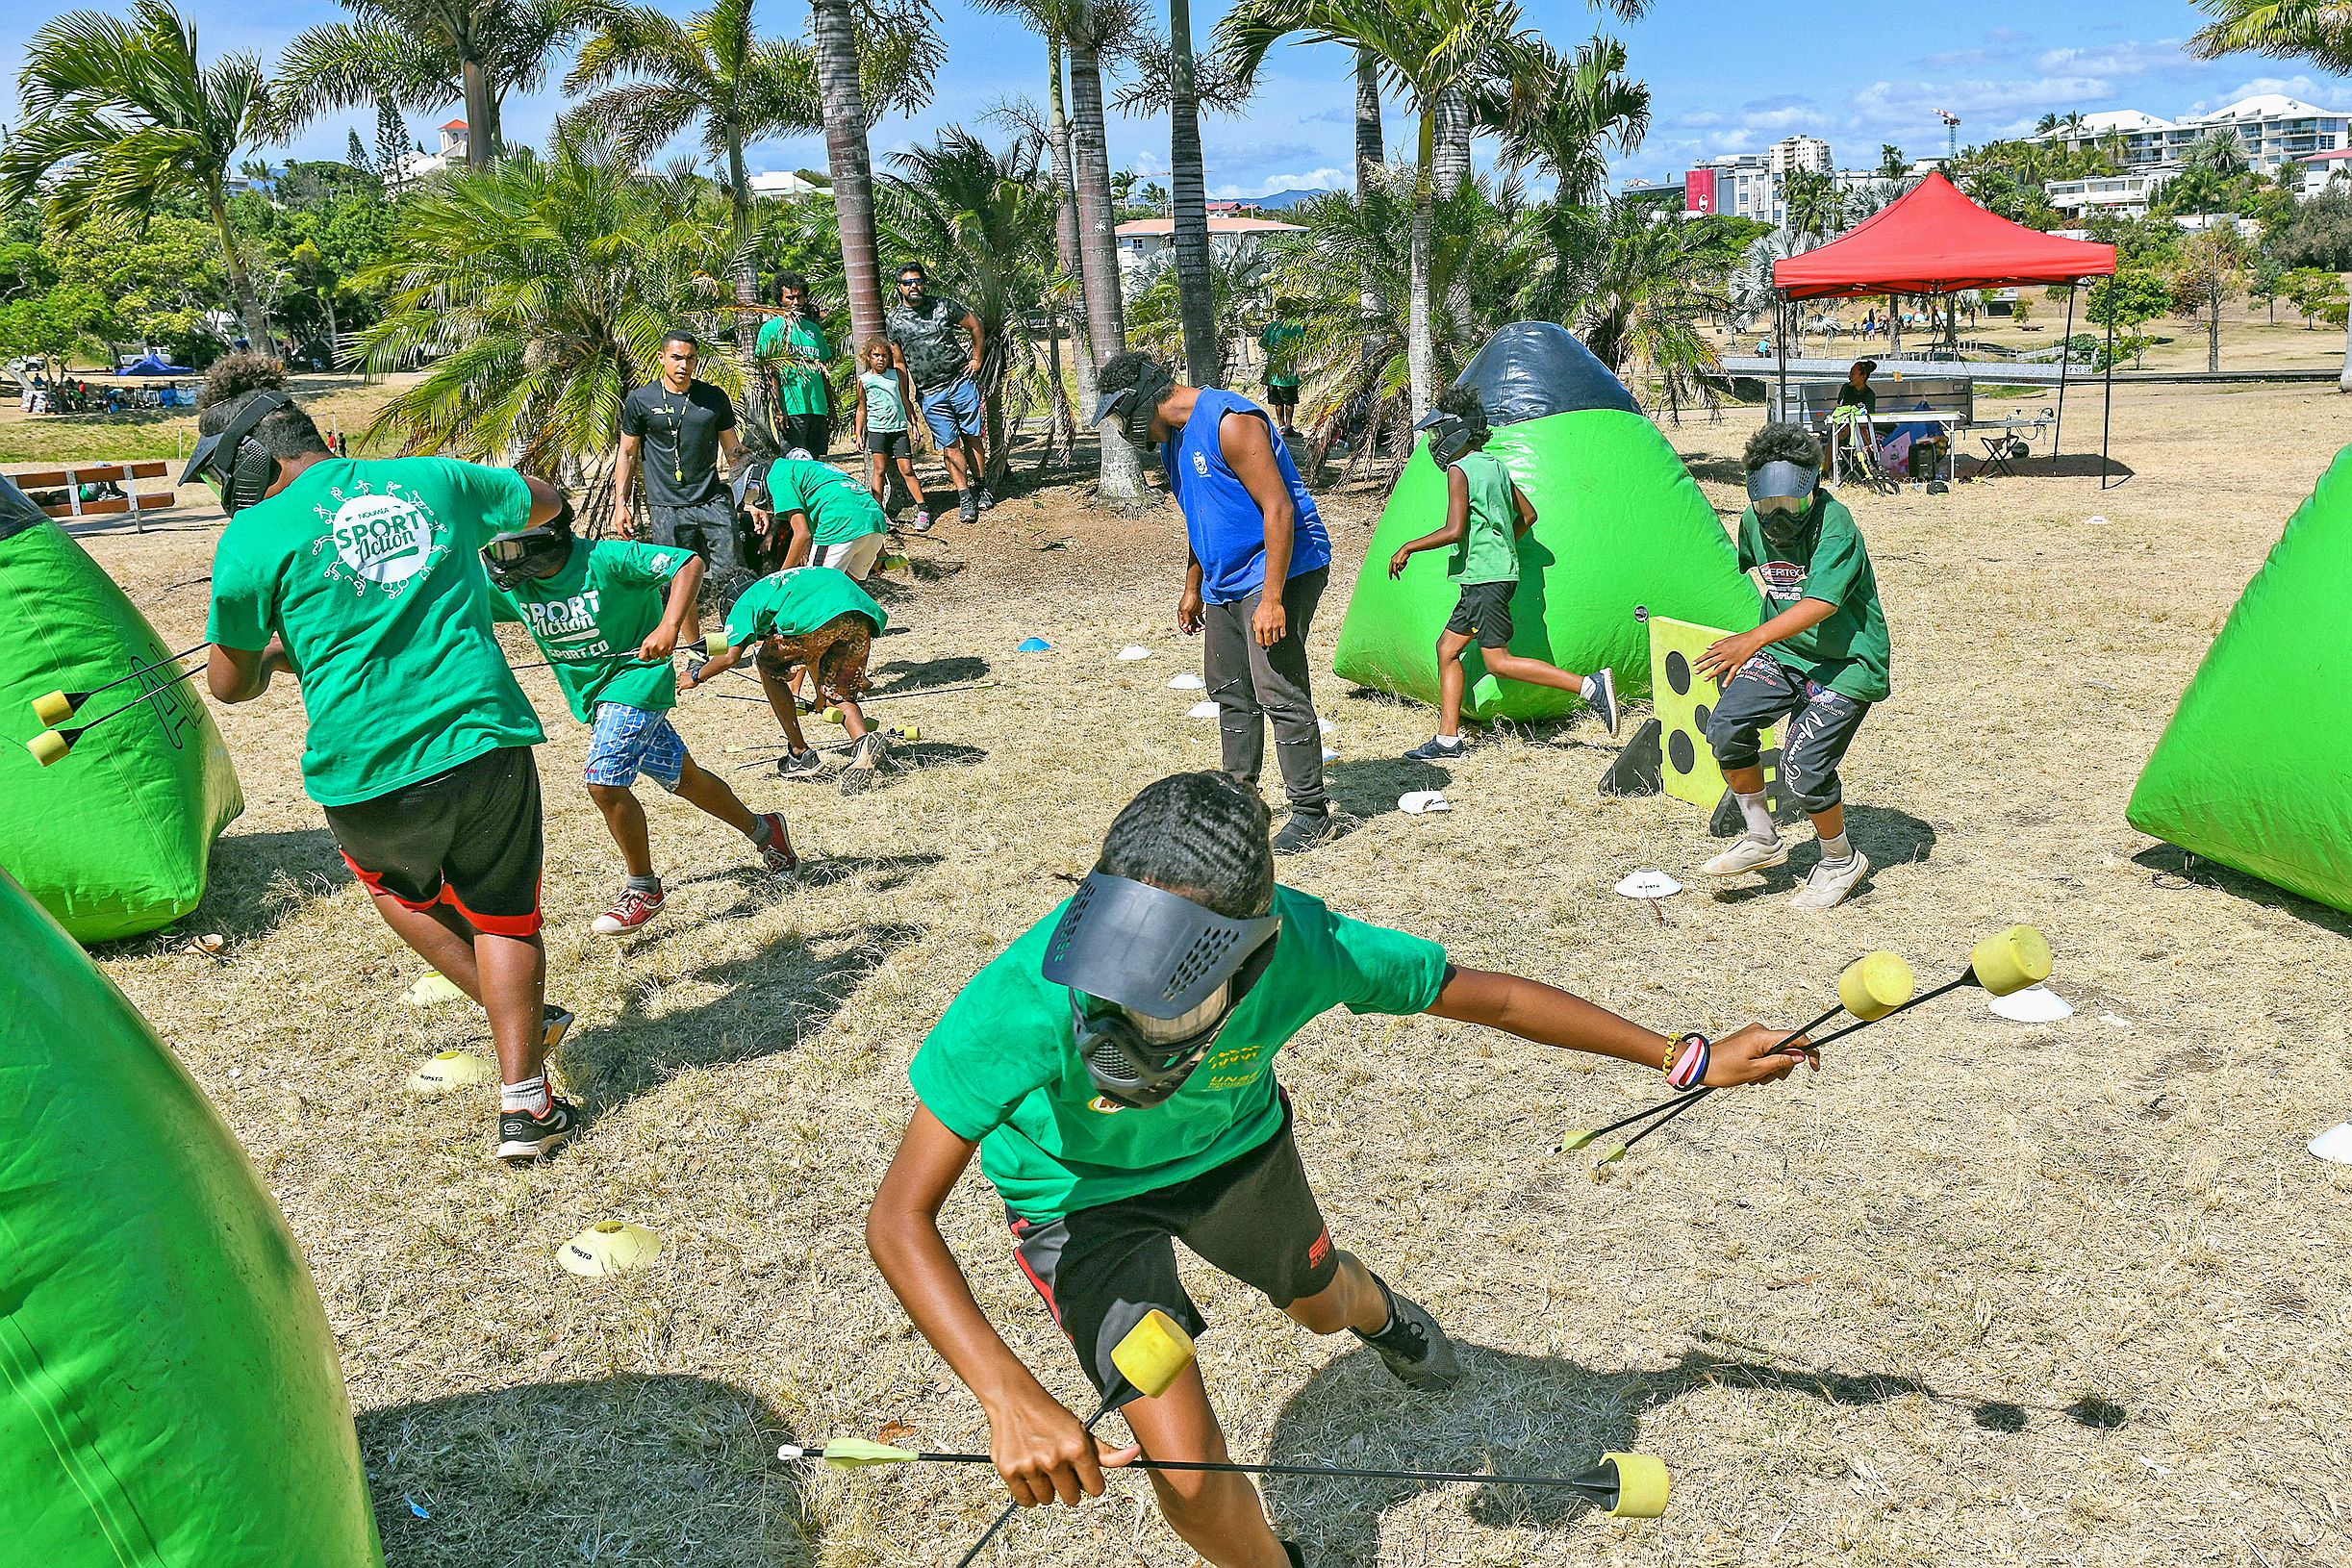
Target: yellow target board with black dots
(1686, 702)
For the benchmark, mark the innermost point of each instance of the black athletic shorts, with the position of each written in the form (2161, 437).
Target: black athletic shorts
(1102, 1269)
(1282, 395)
(469, 837)
(1485, 609)
(812, 432)
(890, 444)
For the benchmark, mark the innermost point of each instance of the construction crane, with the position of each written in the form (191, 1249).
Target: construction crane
(1951, 134)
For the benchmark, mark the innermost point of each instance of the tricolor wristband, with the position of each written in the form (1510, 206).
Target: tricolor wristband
(1686, 1062)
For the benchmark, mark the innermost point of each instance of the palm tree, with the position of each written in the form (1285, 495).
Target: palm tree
(833, 32)
(1560, 112)
(1893, 164)
(120, 117)
(1170, 80)
(1241, 292)
(418, 54)
(1641, 290)
(1816, 207)
(539, 290)
(988, 219)
(1122, 479)
(1435, 51)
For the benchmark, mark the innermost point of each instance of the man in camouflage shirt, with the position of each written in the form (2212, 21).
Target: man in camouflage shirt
(925, 331)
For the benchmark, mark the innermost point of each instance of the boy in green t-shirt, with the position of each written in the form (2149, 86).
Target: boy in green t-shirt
(608, 616)
(1113, 1070)
(821, 517)
(1819, 661)
(1486, 514)
(812, 619)
(359, 579)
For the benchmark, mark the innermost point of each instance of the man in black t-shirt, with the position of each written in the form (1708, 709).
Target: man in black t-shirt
(676, 430)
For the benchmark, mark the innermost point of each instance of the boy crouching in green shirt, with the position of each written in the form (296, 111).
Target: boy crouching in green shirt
(1486, 514)
(600, 614)
(815, 619)
(1819, 661)
(1113, 1069)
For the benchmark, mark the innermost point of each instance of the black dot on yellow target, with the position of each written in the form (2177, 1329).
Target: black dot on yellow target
(1680, 753)
(1677, 674)
(1699, 718)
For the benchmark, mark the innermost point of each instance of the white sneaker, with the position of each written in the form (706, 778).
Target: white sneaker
(1746, 855)
(1601, 696)
(1826, 887)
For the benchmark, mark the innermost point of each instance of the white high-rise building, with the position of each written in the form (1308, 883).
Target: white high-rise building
(1809, 154)
(2273, 129)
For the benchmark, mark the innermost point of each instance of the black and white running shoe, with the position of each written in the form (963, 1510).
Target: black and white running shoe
(1415, 1351)
(522, 1136)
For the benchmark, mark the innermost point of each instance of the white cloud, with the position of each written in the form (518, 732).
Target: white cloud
(2115, 59)
(1908, 102)
(2294, 86)
(1322, 178)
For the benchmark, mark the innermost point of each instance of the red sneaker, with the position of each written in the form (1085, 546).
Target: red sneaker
(630, 911)
(776, 853)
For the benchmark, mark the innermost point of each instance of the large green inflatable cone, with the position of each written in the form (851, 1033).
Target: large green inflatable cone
(169, 1396)
(2253, 771)
(113, 838)
(1620, 525)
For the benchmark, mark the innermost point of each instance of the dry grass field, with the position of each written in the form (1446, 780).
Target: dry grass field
(1977, 1294)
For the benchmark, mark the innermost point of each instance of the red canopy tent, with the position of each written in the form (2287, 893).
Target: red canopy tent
(1934, 240)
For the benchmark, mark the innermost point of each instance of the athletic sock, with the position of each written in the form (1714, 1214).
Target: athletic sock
(649, 886)
(1455, 738)
(530, 1095)
(763, 830)
(1589, 690)
(1835, 851)
(1759, 816)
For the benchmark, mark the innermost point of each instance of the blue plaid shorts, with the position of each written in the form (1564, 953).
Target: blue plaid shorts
(629, 741)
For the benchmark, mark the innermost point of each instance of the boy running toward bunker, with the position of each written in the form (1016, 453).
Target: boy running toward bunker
(884, 395)
(1113, 1069)
(608, 616)
(818, 620)
(1486, 514)
(1818, 662)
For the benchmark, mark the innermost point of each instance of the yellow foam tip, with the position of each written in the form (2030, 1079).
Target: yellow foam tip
(445, 1070)
(609, 1247)
(47, 746)
(53, 707)
(909, 732)
(714, 643)
(1641, 1487)
(894, 562)
(831, 716)
(1153, 1354)
(2010, 960)
(430, 989)
(1875, 984)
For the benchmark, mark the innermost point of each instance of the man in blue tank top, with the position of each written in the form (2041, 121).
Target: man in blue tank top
(1250, 520)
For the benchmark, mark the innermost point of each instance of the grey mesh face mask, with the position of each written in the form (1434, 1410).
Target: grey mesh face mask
(1450, 437)
(1152, 978)
(1782, 486)
(1134, 407)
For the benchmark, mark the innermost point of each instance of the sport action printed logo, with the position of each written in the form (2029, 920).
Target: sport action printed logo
(384, 540)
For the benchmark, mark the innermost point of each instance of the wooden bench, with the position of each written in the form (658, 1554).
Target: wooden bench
(38, 481)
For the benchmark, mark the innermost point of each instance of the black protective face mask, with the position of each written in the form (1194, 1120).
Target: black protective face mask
(238, 469)
(530, 554)
(1139, 1062)
(1451, 436)
(1135, 407)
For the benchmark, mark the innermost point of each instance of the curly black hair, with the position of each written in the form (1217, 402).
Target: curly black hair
(1200, 835)
(1123, 370)
(286, 433)
(1464, 403)
(1781, 442)
(234, 375)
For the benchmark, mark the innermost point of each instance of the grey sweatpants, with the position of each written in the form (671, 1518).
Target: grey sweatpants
(707, 527)
(1821, 725)
(1254, 685)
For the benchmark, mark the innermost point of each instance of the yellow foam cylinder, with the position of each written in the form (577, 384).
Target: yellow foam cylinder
(1641, 1487)
(53, 708)
(2010, 960)
(910, 732)
(831, 716)
(714, 643)
(48, 747)
(1153, 1354)
(1875, 984)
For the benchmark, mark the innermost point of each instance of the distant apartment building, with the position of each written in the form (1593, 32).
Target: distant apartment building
(1142, 238)
(2271, 127)
(1748, 184)
(2124, 195)
(1809, 154)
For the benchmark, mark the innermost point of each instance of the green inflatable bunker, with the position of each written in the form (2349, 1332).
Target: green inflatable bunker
(1620, 525)
(169, 1396)
(115, 837)
(2253, 770)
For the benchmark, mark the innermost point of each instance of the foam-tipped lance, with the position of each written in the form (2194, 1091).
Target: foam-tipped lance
(51, 745)
(1870, 987)
(54, 708)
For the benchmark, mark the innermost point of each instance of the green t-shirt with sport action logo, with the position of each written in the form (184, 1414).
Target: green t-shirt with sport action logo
(590, 618)
(1489, 551)
(1002, 1068)
(367, 571)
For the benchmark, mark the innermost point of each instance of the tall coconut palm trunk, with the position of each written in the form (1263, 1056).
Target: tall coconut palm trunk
(1188, 196)
(1123, 479)
(481, 113)
(241, 281)
(1419, 341)
(759, 407)
(848, 160)
(1066, 241)
(1369, 159)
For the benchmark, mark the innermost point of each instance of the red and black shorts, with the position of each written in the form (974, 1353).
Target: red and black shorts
(1102, 1269)
(469, 837)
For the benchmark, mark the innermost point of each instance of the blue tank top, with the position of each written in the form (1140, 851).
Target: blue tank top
(1223, 522)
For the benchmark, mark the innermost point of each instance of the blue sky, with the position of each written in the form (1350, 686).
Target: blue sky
(1724, 77)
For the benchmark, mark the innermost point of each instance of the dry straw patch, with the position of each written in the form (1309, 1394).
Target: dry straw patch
(1978, 1294)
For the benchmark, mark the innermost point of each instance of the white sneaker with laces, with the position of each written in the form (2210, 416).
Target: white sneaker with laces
(1747, 854)
(1827, 886)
